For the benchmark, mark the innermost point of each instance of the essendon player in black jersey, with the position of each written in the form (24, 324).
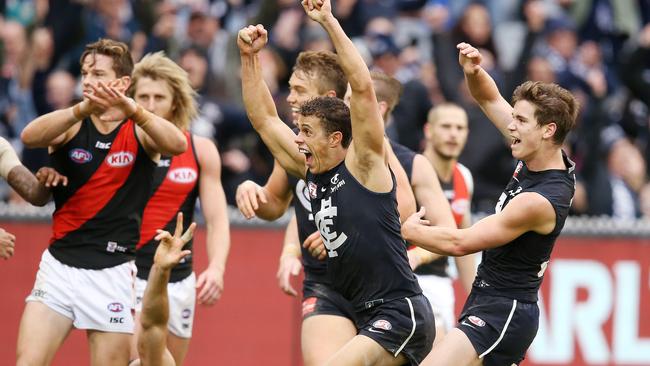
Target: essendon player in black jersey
(106, 146)
(352, 192)
(162, 87)
(500, 318)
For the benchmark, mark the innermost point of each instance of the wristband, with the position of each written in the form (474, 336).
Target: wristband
(140, 116)
(76, 112)
(292, 250)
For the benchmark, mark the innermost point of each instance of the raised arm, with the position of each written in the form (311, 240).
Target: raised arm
(367, 149)
(483, 88)
(277, 136)
(152, 344)
(213, 206)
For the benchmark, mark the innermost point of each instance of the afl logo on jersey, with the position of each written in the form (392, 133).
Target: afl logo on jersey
(312, 189)
(476, 320)
(120, 159)
(182, 175)
(80, 156)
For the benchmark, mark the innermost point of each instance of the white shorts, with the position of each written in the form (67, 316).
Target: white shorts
(440, 292)
(182, 300)
(99, 299)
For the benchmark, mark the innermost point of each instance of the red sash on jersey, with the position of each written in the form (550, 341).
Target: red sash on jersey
(180, 180)
(90, 198)
(461, 196)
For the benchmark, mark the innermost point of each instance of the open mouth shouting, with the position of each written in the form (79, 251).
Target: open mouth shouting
(309, 159)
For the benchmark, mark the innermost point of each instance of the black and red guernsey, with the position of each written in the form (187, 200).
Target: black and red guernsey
(97, 217)
(176, 188)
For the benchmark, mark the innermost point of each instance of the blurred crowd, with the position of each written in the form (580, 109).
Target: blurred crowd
(598, 49)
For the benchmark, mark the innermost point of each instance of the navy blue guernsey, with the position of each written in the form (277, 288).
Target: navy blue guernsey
(97, 218)
(367, 262)
(405, 156)
(315, 270)
(515, 270)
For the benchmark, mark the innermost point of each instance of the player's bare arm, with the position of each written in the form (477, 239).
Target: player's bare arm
(213, 205)
(277, 136)
(290, 262)
(405, 199)
(20, 178)
(483, 88)
(152, 345)
(365, 158)
(526, 212)
(268, 202)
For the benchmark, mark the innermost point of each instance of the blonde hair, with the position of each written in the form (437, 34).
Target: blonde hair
(157, 66)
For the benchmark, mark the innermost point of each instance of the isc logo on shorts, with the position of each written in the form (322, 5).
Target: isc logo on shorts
(182, 175)
(80, 156)
(120, 159)
(115, 307)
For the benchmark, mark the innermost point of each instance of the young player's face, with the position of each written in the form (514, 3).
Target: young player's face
(302, 88)
(97, 68)
(312, 141)
(525, 132)
(155, 96)
(448, 134)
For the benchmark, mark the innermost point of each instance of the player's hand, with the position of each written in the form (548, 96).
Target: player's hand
(170, 250)
(110, 98)
(318, 10)
(252, 39)
(51, 178)
(413, 222)
(210, 286)
(289, 266)
(7, 244)
(314, 244)
(469, 58)
(248, 196)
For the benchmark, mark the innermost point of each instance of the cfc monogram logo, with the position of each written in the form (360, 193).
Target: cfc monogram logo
(324, 222)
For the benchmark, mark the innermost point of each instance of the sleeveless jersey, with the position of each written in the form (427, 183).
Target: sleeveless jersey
(405, 157)
(97, 218)
(457, 192)
(515, 270)
(367, 262)
(315, 270)
(176, 188)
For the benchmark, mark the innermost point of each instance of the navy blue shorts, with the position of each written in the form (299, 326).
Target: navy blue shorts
(500, 329)
(403, 326)
(320, 299)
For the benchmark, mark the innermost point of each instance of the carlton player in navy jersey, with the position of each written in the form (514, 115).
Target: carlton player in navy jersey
(352, 193)
(106, 146)
(327, 319)
(500, 318)
(162, 87)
